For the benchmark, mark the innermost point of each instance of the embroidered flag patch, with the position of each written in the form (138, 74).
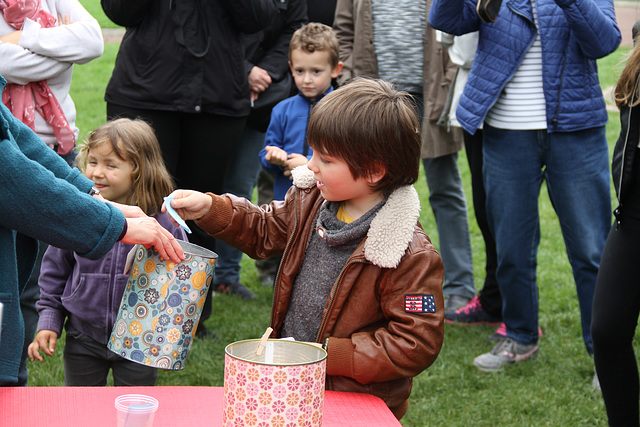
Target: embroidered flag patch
(419, 304)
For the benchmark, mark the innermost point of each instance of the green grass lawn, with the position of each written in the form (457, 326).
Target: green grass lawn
(553, 389)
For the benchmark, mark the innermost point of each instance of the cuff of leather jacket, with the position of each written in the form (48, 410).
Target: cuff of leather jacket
(218, 216)
(340, 358)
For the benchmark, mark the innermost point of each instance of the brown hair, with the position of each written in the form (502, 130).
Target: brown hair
(369, 124)
(316, 37)
(136, 142)
(626, 88)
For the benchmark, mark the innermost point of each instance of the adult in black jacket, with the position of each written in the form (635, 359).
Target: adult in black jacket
(616, 303)
(270, 81)
(181, 68)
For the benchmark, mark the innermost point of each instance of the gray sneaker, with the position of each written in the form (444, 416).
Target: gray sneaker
(596, 381)
(454, 302)
(505, 352)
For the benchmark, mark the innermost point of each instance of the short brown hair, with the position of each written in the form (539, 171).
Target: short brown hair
(367, 123)
(315, 36)
(136, 142)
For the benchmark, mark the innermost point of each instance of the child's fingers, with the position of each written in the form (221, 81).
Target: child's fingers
(52, 346)
(33, 351)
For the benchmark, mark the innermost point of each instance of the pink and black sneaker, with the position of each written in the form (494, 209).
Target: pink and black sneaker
(501, 333)
(471, 314)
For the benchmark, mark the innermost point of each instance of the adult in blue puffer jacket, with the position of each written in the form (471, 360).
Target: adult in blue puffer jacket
(534, 85)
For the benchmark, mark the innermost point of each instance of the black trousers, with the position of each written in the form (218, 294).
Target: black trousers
(197, 149)
(616, 305)
(489, 295)
(87, 363)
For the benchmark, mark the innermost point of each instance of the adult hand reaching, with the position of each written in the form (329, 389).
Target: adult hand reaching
(127, 210)
(148, 232)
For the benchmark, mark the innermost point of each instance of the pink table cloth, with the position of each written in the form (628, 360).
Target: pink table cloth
(178, 406)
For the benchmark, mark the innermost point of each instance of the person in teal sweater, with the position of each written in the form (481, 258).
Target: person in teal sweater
(45, 199)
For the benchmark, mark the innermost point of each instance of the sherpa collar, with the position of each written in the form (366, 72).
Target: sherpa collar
(392, 228)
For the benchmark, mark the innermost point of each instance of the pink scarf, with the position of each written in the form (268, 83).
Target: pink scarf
(20, 98)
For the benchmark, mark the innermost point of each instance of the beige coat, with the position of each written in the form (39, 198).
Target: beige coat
(354, 28)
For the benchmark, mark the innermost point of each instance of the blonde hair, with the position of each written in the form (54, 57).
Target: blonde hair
(134, 141)
(626, 91)
(316, 37)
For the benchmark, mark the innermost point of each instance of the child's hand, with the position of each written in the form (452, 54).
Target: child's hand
(45, 340)
(189, 204)
(293, 162)
(275, 155)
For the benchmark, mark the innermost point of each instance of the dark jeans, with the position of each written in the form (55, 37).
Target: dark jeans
(489, 295)
(616, 306)
(87, 363)
(197, 149)
(575, 168)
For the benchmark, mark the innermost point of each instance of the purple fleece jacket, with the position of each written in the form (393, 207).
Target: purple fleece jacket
(86, 292)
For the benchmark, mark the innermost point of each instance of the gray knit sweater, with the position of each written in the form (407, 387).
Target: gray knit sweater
(330, 246)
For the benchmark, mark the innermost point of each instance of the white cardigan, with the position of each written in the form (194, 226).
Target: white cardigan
(49, 54)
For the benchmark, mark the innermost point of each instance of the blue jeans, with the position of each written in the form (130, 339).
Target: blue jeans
(575, 166)
(449, 206)
(240, 180)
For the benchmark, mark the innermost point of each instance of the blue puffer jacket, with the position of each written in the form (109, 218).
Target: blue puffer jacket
(573, 33)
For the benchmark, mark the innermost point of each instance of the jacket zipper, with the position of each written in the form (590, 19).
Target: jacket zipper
(285, 253)
(616, 211)
(554, 122)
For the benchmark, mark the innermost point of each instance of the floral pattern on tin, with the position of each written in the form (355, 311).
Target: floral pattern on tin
(264, 395)
(159, 315)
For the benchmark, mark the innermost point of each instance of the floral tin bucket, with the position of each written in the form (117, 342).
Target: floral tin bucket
(282, 386)
(161, 307)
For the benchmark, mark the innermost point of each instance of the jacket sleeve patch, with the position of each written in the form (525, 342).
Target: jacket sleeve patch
(419, 304)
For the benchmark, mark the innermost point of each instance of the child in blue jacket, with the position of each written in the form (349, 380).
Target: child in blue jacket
(314, 62)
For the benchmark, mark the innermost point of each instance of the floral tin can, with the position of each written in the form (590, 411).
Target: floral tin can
(161, 307)
(282, 386)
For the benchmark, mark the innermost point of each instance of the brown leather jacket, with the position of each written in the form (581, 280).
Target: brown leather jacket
(376, 343)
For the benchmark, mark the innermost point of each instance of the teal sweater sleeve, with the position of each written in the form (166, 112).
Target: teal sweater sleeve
(46, 199)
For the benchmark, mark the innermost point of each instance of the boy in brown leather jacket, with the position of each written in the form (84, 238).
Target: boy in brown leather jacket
(358, 273)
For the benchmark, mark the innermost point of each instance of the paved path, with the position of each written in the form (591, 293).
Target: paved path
(627, 13)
